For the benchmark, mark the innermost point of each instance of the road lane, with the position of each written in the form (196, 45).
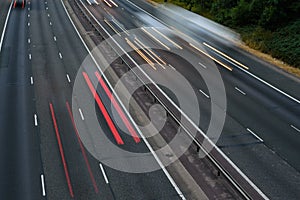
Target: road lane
(21, 165)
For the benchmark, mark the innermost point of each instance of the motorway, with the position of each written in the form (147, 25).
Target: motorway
(261, 133)
(42, 155)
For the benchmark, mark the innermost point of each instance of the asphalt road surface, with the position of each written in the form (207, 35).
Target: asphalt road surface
(261, 133)
(42, 155)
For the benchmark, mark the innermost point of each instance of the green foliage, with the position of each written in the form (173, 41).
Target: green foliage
(285, 44)
(256, 37)
(240, 14)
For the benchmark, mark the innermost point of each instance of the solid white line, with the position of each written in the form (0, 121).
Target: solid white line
(31, 80)
(29, 56)
(207, 96)
(241, 91)
(43, 185)
(256, 136)
(103, 173)
(35, 120)
(202, 65)
(81, 114)
(60, 55)
(28, 40)
(68, 77)
(294, 127)
(28, 24)
(54, 38)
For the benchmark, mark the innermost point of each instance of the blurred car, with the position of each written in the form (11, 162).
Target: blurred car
(19, 3)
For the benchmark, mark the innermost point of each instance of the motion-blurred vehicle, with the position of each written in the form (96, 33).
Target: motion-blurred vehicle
(19, 3)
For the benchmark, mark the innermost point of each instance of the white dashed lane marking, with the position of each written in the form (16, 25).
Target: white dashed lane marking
(241, 91)
(43, 185)
(295, 128)
(206, 95)
(254, 134)
(35, 120)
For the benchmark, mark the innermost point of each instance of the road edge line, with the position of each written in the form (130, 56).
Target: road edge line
(5, 25)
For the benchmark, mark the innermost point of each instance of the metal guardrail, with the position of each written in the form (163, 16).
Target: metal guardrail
(224, 165)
